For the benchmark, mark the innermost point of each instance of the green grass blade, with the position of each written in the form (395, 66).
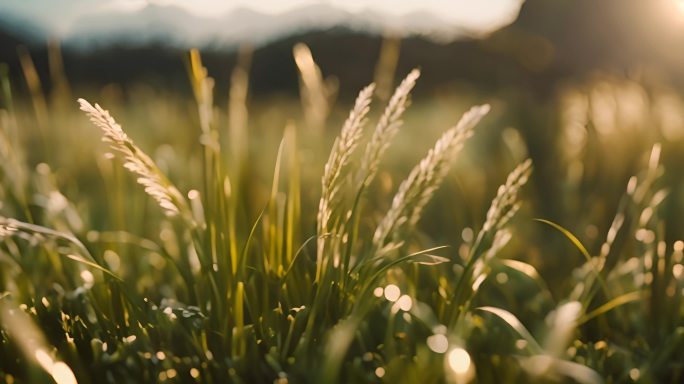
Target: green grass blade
(516, 325)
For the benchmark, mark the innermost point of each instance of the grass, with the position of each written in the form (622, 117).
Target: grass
(325, 272)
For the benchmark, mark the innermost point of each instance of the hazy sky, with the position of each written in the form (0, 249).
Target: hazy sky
(57, 15)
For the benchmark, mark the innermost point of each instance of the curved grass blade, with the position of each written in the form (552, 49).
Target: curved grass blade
(96, 266)
(243, 254)
(575, 241)
(516, 325)
(610, 305)
(541, 365)
(578, 244)
(296, 255)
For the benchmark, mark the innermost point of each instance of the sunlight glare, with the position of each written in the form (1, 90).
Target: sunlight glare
(392, 292)
(680, 5)
(60, 372)
(459, 361)
(438, 343)
(405, 303)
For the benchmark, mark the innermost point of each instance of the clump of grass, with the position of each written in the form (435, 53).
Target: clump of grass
(218, 293)
(490, 240)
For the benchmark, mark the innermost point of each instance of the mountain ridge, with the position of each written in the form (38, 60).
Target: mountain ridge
(537, 53)
(175, 26)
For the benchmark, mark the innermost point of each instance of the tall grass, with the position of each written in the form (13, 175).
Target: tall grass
(218, 288)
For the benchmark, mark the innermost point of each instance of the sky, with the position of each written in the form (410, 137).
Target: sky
(57, 15)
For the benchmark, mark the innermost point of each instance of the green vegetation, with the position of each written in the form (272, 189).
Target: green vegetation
(170, 258)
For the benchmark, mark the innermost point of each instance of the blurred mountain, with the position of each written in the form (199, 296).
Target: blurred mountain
(10, 39)
(550, 43)
(174, 26)
(22, 29)
(8, 43)
(150, 24)
(578, 36)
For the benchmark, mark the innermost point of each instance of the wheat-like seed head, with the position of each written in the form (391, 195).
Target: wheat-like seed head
(341, 153)
(135, 160)
(506, 204)
(415, 192)
(387, 127)
(500, 240)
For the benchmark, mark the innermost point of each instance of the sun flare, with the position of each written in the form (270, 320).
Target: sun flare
(680, 5)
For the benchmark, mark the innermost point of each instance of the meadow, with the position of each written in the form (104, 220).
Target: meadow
(147, 237)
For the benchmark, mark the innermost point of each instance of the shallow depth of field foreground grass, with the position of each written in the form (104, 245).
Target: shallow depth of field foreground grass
(184, 264)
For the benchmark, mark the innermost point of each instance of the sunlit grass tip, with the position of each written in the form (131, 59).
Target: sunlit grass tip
(135, 160)
(415, 192)
(387, 127)
(341, 153)
(506, 203)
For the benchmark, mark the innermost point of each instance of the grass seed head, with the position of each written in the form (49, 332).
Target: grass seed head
(340, 155)
(135, 160)
(506, 204)
(415, 192)
(387, 127)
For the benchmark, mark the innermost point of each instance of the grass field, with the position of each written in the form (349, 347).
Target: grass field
(317, 241)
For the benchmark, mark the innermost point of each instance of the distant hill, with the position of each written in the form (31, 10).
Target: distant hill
(576, 37)
(177, 27)
(9, 41)
(549, 43)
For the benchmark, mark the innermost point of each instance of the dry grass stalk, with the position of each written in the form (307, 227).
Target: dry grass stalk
(12, 167)
(237, 107)
(203, 87)
(136, 161)
(415, 192)
(317, 93)
(386, 68)
(35, 87)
